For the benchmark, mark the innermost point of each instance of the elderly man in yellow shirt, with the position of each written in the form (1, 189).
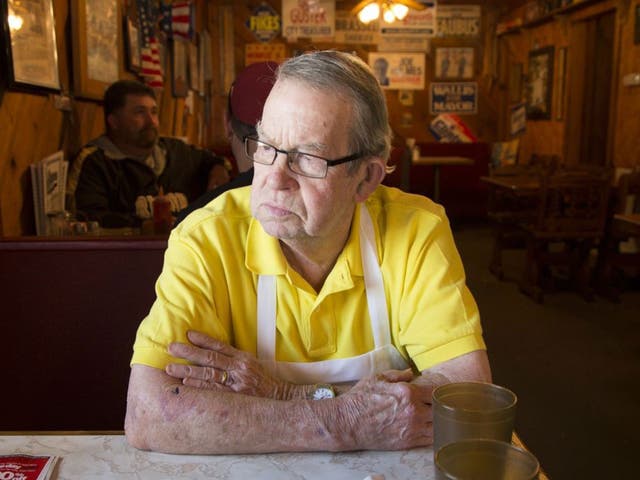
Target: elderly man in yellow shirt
(316, 309)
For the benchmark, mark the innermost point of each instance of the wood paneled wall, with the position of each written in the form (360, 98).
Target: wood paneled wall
(32, 128)
(560, 136)
(626, 146)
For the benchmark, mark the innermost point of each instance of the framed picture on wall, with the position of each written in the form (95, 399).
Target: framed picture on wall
(30, 48)
(454, 62)
(96, 46)
(561, 80)
(179, 67)
(636, 27)
(540, 84)
(132, 47)
(194, 71)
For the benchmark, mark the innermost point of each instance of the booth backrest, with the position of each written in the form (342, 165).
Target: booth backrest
(70, 310)
(462, 193)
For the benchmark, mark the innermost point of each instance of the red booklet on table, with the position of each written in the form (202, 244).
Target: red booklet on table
(27, 467)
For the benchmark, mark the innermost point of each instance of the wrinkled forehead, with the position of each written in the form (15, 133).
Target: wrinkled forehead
(297, 113)
(307, 95)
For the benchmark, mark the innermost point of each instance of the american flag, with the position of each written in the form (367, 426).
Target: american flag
(182, 19)
(177, 18)
(151, 71)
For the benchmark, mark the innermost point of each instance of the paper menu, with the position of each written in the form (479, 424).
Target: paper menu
(27, 467)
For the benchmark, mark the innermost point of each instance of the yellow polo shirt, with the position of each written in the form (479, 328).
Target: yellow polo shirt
(211, 267)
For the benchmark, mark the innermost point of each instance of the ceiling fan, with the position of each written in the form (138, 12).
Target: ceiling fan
(392, 10)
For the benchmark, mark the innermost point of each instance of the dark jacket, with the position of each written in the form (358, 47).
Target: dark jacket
(242, 180)
(105, 183)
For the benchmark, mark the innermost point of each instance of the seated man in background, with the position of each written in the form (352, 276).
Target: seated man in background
(246, 101)
(316, 309)
(115, 177)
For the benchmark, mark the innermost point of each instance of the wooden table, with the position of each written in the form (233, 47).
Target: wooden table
(519, 184)
(618, 250)
(96, 455)
(436, 163)
(632, 219)
(512, 199)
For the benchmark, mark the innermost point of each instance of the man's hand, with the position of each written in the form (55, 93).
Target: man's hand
(388, 412)
(144, 204)
(217, 365)
(218, 175)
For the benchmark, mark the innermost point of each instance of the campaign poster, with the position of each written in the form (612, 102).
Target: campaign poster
(404, 43)
(398, 71)
(351, 30)
(458, 20)
(314, 20)
(417, 22)
(460, 98)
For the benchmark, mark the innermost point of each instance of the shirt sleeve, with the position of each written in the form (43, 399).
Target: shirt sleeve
(439, 317)
(184, 302)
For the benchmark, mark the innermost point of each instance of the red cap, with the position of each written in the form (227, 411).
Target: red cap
(250, 90)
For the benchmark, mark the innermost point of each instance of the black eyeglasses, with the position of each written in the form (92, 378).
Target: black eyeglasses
(304, 164)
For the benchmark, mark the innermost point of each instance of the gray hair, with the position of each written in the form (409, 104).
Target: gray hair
(347, 75)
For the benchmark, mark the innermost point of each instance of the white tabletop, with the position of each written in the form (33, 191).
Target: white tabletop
(89, 457)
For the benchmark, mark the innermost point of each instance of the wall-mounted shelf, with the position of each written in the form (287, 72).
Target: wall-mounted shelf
(549, 16)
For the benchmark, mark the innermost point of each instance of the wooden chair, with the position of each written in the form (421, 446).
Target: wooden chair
(570, 221)
(508, 209)
(613, 258)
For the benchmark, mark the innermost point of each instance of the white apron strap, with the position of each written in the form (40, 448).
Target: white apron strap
(384, 356)
(266, 333)
(374, 285)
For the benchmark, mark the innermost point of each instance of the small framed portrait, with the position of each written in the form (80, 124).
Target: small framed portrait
(132, 45)
(454, 62)
(540, 83)
(179, 67)
(96, 40)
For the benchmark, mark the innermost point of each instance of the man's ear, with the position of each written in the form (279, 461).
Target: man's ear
(228, 129)
(112, 122)
(374, 173)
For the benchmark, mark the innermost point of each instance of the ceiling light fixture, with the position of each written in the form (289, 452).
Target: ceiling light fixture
(15, 21)
(369, 10)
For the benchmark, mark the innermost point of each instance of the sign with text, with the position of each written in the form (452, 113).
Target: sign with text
(351, 30)
(458, 20)
(417, 22)
(264, 52)
(454, 97)
(398, 71)
(404, 43)
(517, 119)
(308, 19)
(264, 22)
(449, 128)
